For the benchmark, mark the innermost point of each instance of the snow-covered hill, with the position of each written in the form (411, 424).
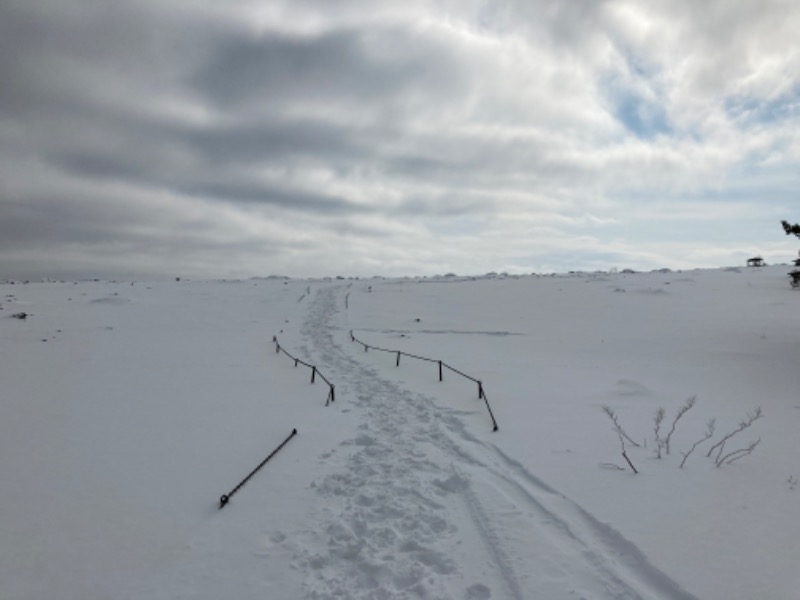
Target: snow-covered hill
(128, 409)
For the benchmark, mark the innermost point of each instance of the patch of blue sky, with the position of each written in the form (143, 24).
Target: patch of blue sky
(643, 118)
(750, 110)
(638, 67)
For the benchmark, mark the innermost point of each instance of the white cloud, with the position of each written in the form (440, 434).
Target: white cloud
(314, 137)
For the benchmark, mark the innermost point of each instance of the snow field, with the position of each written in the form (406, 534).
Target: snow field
(149, 401)
(569, 345)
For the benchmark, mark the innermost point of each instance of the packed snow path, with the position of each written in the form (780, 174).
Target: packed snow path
(421, 508)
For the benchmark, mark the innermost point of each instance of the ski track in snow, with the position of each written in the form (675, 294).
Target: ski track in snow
(415, 478)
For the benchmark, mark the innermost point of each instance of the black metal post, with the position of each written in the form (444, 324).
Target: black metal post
(223, 500)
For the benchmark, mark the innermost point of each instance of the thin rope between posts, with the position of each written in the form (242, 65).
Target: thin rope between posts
(399, 353)
(314, 370)
(460, 373)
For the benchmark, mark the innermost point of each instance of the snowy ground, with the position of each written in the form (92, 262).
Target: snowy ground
(128, 409)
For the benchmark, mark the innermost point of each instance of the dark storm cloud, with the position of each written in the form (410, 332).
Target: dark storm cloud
(351, 64)
(19, 33)
(449, 206)
(234, 191)
(289, 199)
(75, 50)
(52, 221)
(97, 166)
(286, 141)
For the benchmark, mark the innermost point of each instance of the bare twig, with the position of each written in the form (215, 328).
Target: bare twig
(681, 411)
(658, 419)
(617, 427)
(720, 445)
(737, 454)
(709, 434)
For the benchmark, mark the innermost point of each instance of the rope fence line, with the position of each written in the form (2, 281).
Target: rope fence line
(442, 365)
(314, 371)
(223, 500)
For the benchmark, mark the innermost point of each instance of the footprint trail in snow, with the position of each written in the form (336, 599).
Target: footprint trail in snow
(423, 509)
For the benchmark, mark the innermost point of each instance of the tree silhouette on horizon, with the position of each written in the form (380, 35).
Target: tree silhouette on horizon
(791, 229)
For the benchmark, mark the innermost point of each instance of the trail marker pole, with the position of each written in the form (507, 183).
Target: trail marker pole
(223, 500)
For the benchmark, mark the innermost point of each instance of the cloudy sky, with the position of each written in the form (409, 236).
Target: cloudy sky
(210, 138)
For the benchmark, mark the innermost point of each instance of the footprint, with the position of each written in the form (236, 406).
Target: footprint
(271, 540)
(276, 537)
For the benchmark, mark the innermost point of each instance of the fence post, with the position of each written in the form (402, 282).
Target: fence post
(366, 347)
(333, 394)
(398, 360)
(295, 362)
(277, 347)
(491, 414)
(480, 390)
(313, 373)
(440, 371)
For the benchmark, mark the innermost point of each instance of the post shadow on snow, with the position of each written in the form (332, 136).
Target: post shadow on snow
(442, 365)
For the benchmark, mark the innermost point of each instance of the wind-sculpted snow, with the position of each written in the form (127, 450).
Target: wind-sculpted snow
(423, 509)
